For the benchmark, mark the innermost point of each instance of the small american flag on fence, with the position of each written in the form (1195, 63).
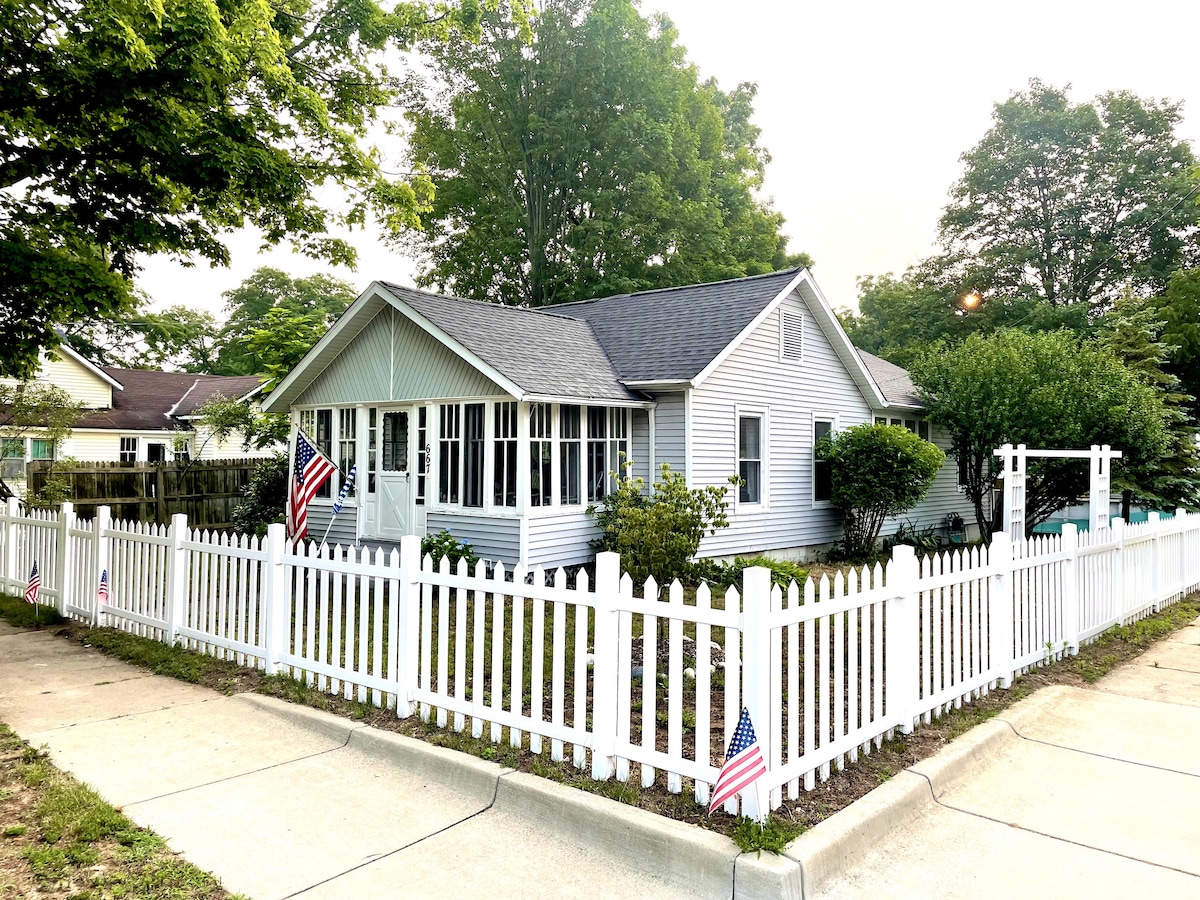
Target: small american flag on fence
(743, 763)
(311, 469)
(35, 585)
(102, 589)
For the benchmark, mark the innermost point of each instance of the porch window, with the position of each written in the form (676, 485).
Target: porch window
(128, 452)
(372, 447)
(504, 472)
(347, 419)
(822, 469)
(449, 450)
(919, 427)
(569, 455)
(750, 458)
(541, 454)
(422, 452)
(607, 449)
(324, 439)
(475, 415)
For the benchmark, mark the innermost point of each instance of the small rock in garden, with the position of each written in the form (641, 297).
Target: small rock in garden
(689, 672)
(636, 672)
(590, 659)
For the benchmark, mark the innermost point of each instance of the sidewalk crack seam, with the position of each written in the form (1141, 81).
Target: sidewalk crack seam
(132, 715)
(286, 762)
(382, 856)
(1052, 837)
(1131, 762)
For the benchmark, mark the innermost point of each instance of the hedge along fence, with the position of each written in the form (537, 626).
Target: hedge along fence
(206, 491)
(827, 669)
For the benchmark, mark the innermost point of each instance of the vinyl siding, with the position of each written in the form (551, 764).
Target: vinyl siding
(80, 384)
(93, 446)
(203, 446)
(344, 530)
(392, 359)
(639, 445)
(791, 393)
(670, 424)
(944, 497)
(492, 538)
(561, 539)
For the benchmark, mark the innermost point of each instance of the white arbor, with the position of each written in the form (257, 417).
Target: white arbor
(1100, 461)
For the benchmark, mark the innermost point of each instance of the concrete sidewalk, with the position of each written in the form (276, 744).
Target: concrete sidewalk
(1072, 792)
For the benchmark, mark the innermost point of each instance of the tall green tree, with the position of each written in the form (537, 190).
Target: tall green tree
(1070, 203)
(130, 129)
(584, 158)
(1048, 391)
(1179, 310)
(180, 338)
(273, 320)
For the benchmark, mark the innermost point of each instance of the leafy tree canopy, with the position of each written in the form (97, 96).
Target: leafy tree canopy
(1178, 308)
(878, 471)
(584, 158)
(1048, 391)
(129, 129)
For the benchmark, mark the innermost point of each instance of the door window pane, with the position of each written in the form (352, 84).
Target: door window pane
(395, 442)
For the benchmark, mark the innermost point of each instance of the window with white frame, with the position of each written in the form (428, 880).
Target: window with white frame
(422, 453)
(618, 444)
(541, 454)
(504, 471)
(324, 439)
(41, 448)
(128, 452)
(607, 449)
(750, 457)
(474, 421)
(822, 469)
(347, 444)
(569, 455)
(919, 427)
(449, 452)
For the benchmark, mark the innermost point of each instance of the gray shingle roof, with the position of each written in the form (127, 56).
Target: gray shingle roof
(672, 334)
(894, 381)
(541, 351)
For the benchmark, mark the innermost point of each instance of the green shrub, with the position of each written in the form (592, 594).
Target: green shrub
(923, 540)
(444, 544)
(726, 575)
(265, 498)
(878, 471)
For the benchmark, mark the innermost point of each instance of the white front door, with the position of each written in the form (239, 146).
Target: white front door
(395, 478)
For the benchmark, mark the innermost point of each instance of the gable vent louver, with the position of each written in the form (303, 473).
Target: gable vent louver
(791, 335)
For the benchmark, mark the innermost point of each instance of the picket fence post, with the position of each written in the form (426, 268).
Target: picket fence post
(604, 671)
(1118, 533)
(405, 671)
(903, 647)
(1070, 586)
(177, 581)
(63, 574)
(101, 555)
(1185, 581)
(1002, 609)
(275, 605)
(12, 578)
(1156, 557)
(756, 674)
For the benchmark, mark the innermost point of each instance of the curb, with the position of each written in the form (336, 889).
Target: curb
(328, 724)
(845, 838)
(477, 778)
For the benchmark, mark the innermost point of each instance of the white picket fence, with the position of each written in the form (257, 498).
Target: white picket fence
(828, 669)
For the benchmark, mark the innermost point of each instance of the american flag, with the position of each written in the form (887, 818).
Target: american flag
(102, 590)
(345, 491)
(743, 763)
(312, 469)
(35, 585)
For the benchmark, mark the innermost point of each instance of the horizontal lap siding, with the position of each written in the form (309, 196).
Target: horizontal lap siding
(561, 539)
(791, 392)
(670, 424)
(344, 530)
(639, 444)
(943, 498)
(392, 359)
(490, 537)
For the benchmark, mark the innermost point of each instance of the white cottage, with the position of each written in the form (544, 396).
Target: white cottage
(502, 424)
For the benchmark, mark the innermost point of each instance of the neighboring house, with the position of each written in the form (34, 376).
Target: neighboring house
(130, 415)
(501, 424)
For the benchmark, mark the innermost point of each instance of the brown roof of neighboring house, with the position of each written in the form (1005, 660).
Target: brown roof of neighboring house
(157, 401)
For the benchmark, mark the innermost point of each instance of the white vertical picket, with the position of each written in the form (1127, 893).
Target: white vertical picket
(704, 670)
(649, 681)
(442, 595)
(580, 685)
(497, 682)
(478, 644)
(558, 675)
(675, 681)
(516, 695)
(537, 653)
(460, 646)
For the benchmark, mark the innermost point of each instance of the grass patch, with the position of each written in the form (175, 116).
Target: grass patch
(773, 836)
(27, 615)
(61, 839)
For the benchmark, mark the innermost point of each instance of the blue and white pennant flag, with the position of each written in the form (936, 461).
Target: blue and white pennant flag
(345, 491)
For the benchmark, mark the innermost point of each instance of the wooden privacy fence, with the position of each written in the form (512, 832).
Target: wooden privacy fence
(636, 685)
(206, 491)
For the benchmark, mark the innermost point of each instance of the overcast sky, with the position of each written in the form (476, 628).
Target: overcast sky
(865, 108)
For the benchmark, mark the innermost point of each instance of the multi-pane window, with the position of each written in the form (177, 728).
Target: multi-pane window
(541, 455)
(39, 448)
(372, 447)
(822, 468)
(569, 454)
(422, 452)
(324, 439)
(597, 469)
(750, 458)
(449, 451)
(128, 452)
(474, 415)
(347, 423)
(919, 427)
(12, 459)
(504, 471)
(618, 443)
